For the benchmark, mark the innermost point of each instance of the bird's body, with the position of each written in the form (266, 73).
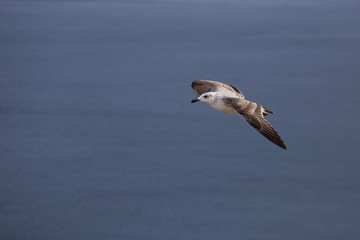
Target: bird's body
(228, 99)
(219, 104)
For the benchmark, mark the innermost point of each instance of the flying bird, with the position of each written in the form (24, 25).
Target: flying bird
(228, 99)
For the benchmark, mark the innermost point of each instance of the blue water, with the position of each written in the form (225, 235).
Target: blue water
(99, 139)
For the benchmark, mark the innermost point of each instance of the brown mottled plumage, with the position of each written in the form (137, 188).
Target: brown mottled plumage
(228, 99)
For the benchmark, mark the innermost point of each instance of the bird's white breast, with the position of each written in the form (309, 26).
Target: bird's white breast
(222, 107)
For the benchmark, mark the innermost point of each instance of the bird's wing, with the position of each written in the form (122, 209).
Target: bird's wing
(253, 114)
(203, 86)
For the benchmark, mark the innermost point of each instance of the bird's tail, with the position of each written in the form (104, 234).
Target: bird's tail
(267, 111)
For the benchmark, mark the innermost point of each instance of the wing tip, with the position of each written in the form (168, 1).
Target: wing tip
(195, 82)
(282, 145)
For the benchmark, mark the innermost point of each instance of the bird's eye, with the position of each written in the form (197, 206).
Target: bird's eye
(205, 96)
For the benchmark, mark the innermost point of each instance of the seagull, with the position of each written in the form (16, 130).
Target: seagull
(228, 99)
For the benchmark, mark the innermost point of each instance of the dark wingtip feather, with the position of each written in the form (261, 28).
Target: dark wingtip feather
(283, 146)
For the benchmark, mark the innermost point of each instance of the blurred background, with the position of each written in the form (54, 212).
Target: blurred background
(99, 140)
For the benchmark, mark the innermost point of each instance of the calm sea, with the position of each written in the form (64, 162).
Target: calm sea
(99, 140)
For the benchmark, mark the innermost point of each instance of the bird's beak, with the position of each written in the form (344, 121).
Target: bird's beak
(195, 100)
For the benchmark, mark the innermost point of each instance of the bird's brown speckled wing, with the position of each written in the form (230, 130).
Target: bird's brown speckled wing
(253, 114)
(203, 86)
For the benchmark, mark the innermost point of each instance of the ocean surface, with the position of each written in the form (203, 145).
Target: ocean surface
(99, 140)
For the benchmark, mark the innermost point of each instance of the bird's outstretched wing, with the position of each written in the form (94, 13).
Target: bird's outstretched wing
(253, 114)
(203, 86)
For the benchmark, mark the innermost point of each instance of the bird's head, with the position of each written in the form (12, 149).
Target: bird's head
(207, 97)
